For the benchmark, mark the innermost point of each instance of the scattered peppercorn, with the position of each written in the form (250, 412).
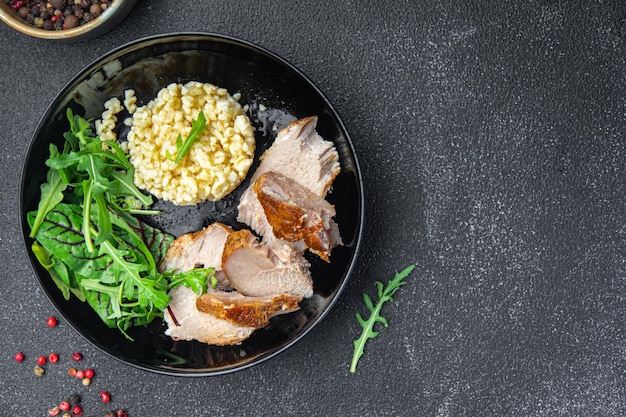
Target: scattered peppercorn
(110, 414)
(122, 413)
(80, 374)
(86, 381)
(105, 396)
(54, 411)
(58, 14)
(89, 373)
(77, 410)
(39, 371)
(19, 357)
(71, 372)
(41, 360)
(52, 321)
(74, 399)
(77, 356)
(53, 358)
(64, 406)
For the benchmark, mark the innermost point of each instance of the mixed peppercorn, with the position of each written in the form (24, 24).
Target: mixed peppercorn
(70, 407)
(59, 14)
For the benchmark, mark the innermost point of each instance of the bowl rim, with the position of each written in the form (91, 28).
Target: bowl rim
(11, 19)
(209, 36)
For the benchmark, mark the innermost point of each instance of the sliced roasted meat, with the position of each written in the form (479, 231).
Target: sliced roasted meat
(186, 322)
(199, 249)
(296, 214)
(247, 311)
(256, 269)
(301, 155)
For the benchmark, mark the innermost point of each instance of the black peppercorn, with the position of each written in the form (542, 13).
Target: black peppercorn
(23, 12)
(95, 10)
(70, 22)
(57, 4)
(74, 399)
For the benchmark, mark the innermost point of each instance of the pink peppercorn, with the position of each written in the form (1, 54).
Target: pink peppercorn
(41, 360)
(77, 356)
(51, 322)
(53, 358)
(77, 410)
(19, 357)
(105, 396)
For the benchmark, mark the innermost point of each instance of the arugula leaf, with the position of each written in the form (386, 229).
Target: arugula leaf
(196, 279)
(123, 184)
(51, 195)
(183, 148)
(385, 293)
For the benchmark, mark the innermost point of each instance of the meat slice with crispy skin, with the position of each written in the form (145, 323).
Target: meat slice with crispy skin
(256, 269)
(247, 311)
(296, 214)
(273, 282)
(300, 154)
(186, 322)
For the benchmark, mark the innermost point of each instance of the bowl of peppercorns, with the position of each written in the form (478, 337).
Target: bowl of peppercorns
(64, 19)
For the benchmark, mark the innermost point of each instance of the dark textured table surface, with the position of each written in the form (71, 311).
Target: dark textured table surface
(491, 139)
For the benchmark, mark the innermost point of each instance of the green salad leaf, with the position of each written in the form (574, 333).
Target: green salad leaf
(385, 293)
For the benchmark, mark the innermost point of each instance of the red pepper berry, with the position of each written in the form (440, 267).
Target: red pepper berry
(64, 406)
(80, 374)
(41, 360)
(71, 371)
(19, 357)
(53, 358)
(77, 410)
(105, 396)
(89, 373)
(17, 4)
(122, 413)
(51, 322)
(77, 356)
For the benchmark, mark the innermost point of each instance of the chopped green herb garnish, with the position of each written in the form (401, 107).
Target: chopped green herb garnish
(182, 148)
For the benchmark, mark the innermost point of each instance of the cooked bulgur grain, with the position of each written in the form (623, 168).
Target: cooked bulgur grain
(216, 163)
(105, 126)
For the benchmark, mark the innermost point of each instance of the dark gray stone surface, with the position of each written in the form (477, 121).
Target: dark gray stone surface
(491, 138)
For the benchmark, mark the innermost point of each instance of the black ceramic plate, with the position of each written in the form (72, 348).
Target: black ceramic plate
(277, 93)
